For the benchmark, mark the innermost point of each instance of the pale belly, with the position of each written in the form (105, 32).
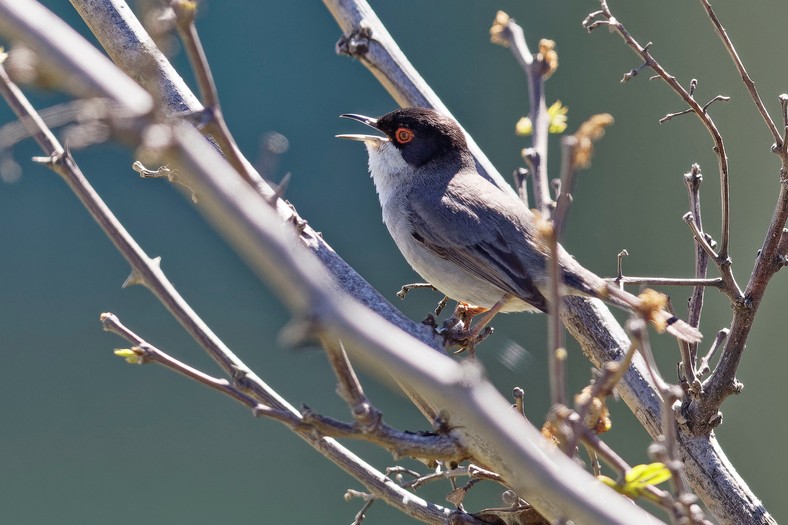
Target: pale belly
(455, 282)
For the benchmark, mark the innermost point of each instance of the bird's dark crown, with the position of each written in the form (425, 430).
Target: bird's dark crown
(434, 136)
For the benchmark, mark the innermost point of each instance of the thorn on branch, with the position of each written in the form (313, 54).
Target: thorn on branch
(519, 396)
(633, 72)
(280, 189)
(620, 266)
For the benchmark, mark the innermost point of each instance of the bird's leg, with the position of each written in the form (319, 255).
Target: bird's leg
(480, 331)
(457, 330)
(484, 321)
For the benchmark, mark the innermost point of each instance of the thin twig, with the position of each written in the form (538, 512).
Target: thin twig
(147, 352)
(215, 124)
(403, 292)
(719, 340)
(149, 271)
(666, 444)
(519, 400)
(693, 180)
(567, 181)
(716, 282)
(361, 514)
(748, 82)
(556, 348)
(719, 146)
(511, 35)
(430, 446)
(349, 387)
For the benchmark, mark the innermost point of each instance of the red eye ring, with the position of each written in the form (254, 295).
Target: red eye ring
(403, 135)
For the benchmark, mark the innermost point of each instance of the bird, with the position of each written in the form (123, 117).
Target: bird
(473, 241)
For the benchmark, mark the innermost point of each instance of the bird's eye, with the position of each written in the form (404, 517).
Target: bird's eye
(403, 135)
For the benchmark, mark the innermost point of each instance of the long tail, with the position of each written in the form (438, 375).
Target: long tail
(651, 306)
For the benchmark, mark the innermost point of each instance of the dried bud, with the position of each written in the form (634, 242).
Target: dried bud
(590, 131)
(651, 303)
(497, 29)
(597, 417)
(548, 56)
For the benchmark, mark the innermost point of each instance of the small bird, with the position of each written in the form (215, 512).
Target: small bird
(473, 241)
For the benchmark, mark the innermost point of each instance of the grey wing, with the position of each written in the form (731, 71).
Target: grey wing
(484, 235)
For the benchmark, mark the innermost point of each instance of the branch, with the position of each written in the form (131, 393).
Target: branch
(748, 82)
(613, 24)
(215, 124)
(131, 48)
(508, 33)
(432, 446)
(366, 39)
(484, 420)
(147, 271)
(700, 449)
(480, 417)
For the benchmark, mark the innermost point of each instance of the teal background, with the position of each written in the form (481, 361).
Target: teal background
(88, 439)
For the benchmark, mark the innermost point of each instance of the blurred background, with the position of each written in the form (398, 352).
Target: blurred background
(87, 438)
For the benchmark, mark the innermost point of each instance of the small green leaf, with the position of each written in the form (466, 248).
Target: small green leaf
(557, 114)
(638, 479)
(610, 482)
(524, 127)
(135, 357)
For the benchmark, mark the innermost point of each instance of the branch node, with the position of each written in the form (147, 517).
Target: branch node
(356, 44)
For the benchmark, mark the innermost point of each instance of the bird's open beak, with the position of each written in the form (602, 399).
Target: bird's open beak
(369, 121)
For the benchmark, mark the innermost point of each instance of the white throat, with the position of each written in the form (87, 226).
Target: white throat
(387, 168)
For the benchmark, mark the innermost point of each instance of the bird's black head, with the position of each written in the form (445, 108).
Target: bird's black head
(424, 135)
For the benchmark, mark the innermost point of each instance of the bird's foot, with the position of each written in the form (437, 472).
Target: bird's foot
(456, 333)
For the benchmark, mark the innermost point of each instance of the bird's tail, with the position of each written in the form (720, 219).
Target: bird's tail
(651, 305)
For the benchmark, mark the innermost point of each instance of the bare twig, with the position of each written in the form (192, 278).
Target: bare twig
(520, 175)
(519, 400)
(507, 32)
(368, 500)
(693, 180)
(567, 181)
(432, 446)
(556, 348)
(215, 124)
(719, 341)
(614, 24)
(665, 445)
(349, 388)
(716, 282)
(718, 98)
(148, 271)
(146, 352)
(748, 82)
